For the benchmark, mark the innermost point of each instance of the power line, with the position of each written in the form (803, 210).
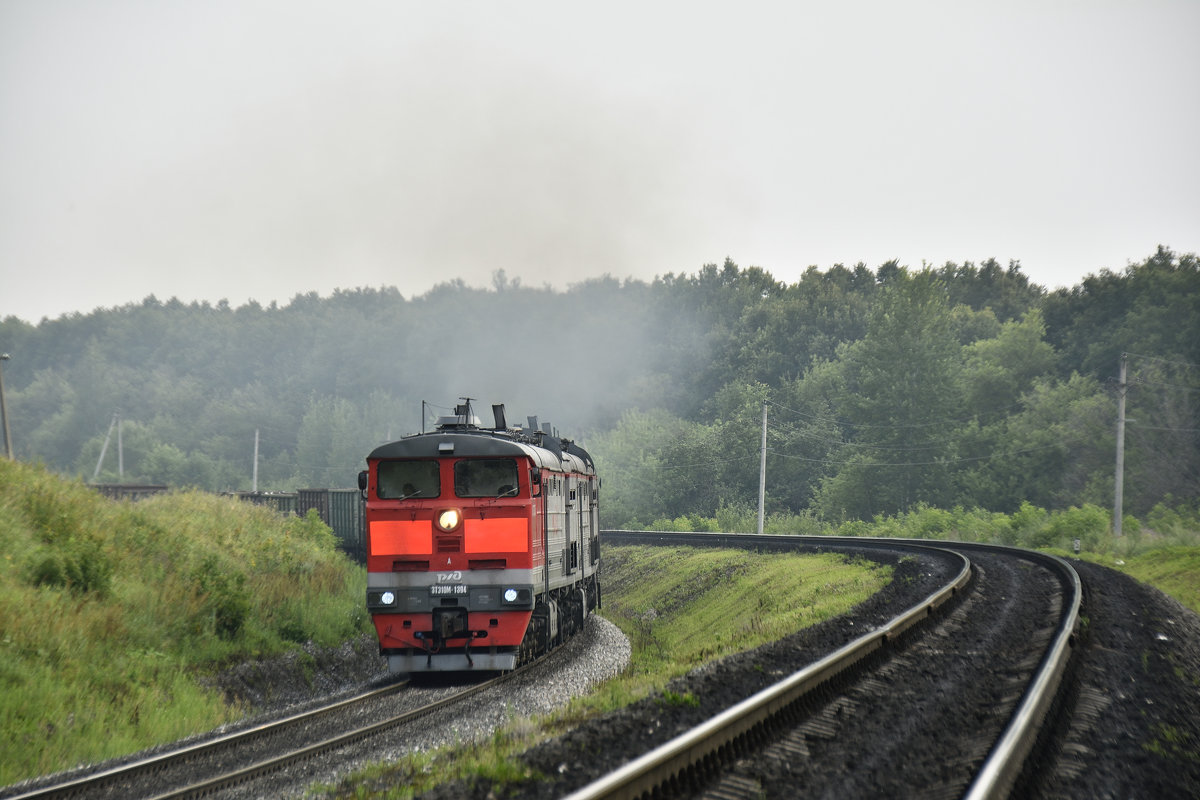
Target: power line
(940, 462)
(1166, 360)
(927, 445)
(1143, 382)
(709, 463)
(1173, 430)
(999, 412)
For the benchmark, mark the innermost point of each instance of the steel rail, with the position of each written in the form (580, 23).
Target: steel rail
(1006, 761)
(234, 777)
(168, 758)
(668, 762)
(268, 765)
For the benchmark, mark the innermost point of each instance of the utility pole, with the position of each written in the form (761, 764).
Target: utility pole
(1119, 482)
(4, 412)
(120, 454)
(254, 480)
(104, 448)
(762, 472)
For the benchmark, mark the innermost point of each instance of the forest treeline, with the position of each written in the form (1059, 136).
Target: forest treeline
(886, 389)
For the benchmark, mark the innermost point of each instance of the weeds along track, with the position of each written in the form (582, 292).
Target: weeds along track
(946, 699)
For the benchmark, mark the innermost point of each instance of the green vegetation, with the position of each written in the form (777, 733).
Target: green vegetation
(110, 611)
(952, 402)
(1166, 556)
(1172, 744)
(680, 607)
(887, 388)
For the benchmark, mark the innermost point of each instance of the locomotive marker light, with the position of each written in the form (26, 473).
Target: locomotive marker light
(387, 598)
(510, 595)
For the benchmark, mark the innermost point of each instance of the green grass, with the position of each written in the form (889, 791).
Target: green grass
(1163, 550)
(110, 611)
(1173, 570)
(679, 607)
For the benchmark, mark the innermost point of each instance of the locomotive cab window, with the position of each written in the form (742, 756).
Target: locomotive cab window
(401, 480)
(486, 477)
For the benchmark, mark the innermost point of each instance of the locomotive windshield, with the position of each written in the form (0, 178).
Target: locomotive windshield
(486, 477)
(400, 480)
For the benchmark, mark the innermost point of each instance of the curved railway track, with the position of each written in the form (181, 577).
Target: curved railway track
(762, 745)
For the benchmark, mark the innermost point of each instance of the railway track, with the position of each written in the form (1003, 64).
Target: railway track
(212, 765)
(972, 720)
(784, 737)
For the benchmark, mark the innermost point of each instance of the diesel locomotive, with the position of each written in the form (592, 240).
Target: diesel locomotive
(483, 547)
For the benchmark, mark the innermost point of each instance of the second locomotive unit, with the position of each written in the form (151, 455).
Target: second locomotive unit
(483, 547)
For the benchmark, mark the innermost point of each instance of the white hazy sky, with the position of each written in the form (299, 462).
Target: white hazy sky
(256, 149)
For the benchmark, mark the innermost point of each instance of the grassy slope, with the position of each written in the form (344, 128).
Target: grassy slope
(108, 611)
(681, 607)
(1173, 570)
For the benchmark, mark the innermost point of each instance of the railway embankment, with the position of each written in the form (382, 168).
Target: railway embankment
(115, 616)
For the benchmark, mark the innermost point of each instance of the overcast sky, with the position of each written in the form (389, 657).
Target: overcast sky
(256, 149)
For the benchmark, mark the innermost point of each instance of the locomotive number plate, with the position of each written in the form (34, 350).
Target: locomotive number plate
(443, 590)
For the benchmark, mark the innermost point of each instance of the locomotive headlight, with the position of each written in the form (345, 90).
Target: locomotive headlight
(449, 519)
(381, 598)
(516, 596)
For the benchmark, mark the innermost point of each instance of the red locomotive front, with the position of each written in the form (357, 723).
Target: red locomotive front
(482, 545)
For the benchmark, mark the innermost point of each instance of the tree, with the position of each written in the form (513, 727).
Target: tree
(1055, 451)
(901, 393)
(997, 371)
(630, 459)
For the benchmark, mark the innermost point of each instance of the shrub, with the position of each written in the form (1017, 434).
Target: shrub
(80, 565)
(1088, 524)
(1029, 525)
(224, 596)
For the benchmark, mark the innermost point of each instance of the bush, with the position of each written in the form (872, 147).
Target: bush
(1029, 525)
(79, 565)
(224, 599)
(1088, 524)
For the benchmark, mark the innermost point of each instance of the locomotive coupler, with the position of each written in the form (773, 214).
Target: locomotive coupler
(433, 641)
